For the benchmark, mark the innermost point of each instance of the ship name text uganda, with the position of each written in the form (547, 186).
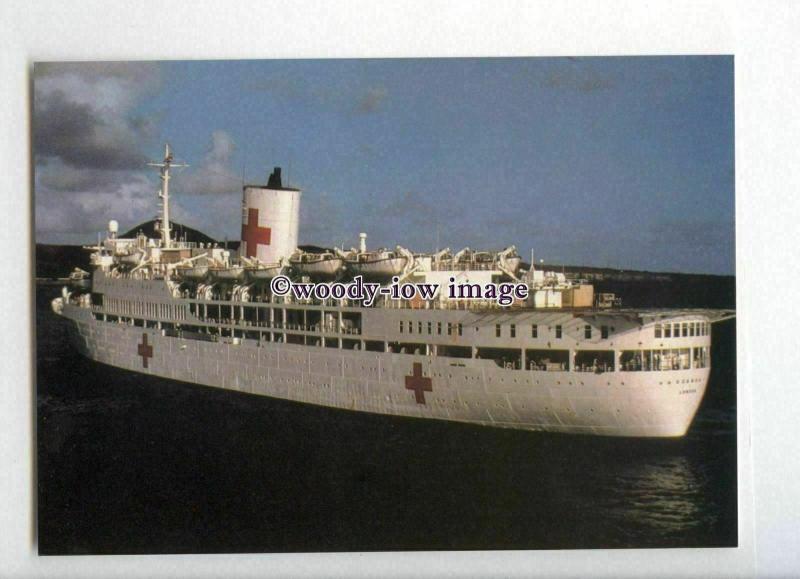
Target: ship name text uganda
(556, 358)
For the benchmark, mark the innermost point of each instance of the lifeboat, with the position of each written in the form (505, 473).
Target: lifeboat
(263, 271)
(229, 273)
(80, 278)
(133, 258)
(483, 260)
(192, 272)
(509, 260)
(440, 261)
(378, 265)
(513, 262)
(325, 265)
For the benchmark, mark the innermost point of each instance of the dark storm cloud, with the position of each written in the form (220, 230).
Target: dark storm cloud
(83, 113)
(92, 146)
(89, 146)
(81, 137)
(63, 178)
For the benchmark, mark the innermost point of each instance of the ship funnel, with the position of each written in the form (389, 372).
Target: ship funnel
(270, 220)
(362, 242)
(274, 181)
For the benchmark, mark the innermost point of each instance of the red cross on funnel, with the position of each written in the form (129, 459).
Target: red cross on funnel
(253, 235)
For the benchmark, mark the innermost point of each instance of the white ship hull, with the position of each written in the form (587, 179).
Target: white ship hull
(477, 391)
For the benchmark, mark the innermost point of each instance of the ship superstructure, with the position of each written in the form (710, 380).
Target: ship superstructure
(555, 361)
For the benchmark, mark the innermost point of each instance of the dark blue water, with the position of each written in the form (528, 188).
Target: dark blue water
(132, 464)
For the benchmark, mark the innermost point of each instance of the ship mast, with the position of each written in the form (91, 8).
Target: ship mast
(163, 194)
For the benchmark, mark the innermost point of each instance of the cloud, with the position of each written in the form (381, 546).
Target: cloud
(579, 81)
(57, 177)
(418, 207)
(83, 114)
(372, 100)
(344, 98)
(215, 175)
(323, 222)
(91, 147)
(219, 216)
(89, 142)
(415, 219)
(97, 72)
(74, 215)
(691, 234)
(75, 134)
(409, 218)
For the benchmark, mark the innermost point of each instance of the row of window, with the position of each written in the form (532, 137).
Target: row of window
(597, 361)
(421, 326)
(659, 360)
(512, 331)
(137, 308)
(682, 330)
(287, 318)
(408, 327)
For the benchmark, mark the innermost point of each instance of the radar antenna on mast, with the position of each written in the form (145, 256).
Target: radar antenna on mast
(163, 194)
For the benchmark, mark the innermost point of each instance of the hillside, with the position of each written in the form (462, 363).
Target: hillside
(179, 231)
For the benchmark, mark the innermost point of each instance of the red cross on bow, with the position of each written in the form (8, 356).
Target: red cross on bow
(419, 383)
(253, 235)
(145, 350)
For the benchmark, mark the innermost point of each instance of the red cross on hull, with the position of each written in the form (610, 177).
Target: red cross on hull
(419, 383)
(145, 350)
(253, 235)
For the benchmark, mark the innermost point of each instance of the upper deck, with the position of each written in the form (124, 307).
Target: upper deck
(517, 337)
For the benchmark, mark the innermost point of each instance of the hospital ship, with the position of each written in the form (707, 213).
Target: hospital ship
(562, 360)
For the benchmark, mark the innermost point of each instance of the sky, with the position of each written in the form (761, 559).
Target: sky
(623, 162)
